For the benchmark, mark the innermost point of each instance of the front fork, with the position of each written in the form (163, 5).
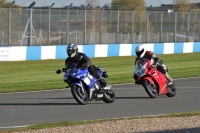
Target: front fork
(80, 84)
(82, 89)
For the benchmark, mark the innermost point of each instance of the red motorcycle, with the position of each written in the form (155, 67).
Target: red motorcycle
(153, 81)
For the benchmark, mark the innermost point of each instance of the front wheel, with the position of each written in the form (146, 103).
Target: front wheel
(151, 89)
(80, 96)
(172, 91)
(109, 96)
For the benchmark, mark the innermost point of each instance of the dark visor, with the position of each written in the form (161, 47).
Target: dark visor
(69, 51)
(139, 53)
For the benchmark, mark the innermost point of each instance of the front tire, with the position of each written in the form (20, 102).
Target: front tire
(109, 96)
(172, 91)
(151, 90)
(79, 96)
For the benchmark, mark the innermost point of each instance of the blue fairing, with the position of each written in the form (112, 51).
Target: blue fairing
(75, 75)
(100, 70)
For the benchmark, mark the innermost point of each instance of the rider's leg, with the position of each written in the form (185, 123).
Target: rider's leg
(103, 83)
(96, 75)
(163, 69)
(168, 77)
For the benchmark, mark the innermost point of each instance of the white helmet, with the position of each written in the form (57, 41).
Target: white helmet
(140, 51)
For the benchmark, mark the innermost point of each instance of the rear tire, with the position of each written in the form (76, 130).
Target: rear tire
(109, 96)
(172, 91)
(151, 91)
(79, 96)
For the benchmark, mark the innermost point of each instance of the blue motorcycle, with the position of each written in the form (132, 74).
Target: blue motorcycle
(85, 87)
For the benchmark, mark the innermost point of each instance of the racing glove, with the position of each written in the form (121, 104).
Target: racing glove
(64, 69)
(83, 66)
(136, 79)
(58, 71)
(155, 64)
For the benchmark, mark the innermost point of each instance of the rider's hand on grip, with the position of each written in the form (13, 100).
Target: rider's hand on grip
(83, 66)
(154, 65)
(136, 79)
(58, 71)
(105, 75)
(64, 69)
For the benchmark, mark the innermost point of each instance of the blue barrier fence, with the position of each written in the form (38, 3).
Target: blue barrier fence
(15, 53)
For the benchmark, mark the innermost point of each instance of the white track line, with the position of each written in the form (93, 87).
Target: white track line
(15, 127)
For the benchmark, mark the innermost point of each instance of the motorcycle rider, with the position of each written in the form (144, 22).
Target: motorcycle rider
(83, 61)
(141, 52)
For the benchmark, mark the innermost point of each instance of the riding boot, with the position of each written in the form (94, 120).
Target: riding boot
(104, 84)
(170, 80)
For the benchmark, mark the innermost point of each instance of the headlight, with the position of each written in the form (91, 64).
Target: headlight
(138, 74)
(143, 72)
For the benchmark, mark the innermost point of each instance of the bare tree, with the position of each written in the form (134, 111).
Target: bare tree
(183, 4)
(15, 21)
(93, 18)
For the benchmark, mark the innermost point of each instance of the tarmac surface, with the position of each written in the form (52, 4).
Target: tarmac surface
(30, 108)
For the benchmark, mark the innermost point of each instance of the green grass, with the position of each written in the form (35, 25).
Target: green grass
(20, 76)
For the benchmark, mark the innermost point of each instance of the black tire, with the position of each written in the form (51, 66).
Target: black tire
(151, 91)
(78, 95)
(172, 91)
(109, 96)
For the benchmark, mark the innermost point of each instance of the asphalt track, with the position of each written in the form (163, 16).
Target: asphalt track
(22, 109)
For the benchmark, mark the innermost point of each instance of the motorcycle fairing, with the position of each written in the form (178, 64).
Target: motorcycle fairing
(160, 79)
(140, 67)
(89, 80)
(149, 79)
(142, 71)
(81, 74)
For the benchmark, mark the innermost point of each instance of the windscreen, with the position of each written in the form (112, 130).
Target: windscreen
(140, 67)
(141, 62)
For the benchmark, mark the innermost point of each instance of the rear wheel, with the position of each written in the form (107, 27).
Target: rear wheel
(109, 96)
(151, 89)
(172, 91)
(80, 96)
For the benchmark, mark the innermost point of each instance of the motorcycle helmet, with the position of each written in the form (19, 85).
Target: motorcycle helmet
(140, 51)
(72, 50)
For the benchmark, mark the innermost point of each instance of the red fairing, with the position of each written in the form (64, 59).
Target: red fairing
(152, 75)
(160, 79)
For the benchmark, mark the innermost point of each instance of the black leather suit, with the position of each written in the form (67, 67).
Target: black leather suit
(83, 61)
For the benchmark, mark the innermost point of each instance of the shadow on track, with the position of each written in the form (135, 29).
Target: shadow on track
(36, 104)
(133, 98)
(44, 104)
(47, 98)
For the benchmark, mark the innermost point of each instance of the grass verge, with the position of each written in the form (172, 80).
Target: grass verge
(18, 76)
(73, 123)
